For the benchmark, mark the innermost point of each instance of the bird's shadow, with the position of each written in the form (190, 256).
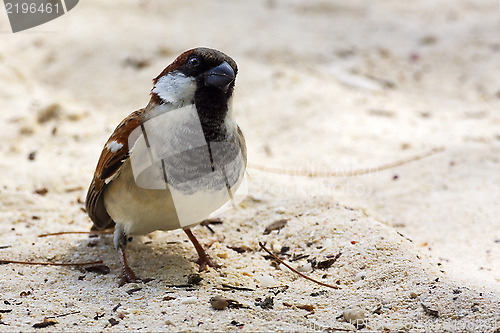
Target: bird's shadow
(148, 259)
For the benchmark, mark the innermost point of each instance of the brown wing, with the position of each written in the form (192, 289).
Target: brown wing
(113, 155)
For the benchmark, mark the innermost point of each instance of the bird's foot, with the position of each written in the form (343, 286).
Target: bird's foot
(205, 261)
(128, 276)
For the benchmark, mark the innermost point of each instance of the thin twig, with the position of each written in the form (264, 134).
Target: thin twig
(64, 314)
(294, 270)
(92, 232)
(236, 288)
(333, 329)
(179, 286)
(49, 263)
(345, 173)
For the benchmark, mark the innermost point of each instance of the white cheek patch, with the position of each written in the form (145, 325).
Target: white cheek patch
(114, 146)
(175, 88)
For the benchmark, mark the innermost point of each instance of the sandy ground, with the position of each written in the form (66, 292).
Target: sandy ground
(323, 86)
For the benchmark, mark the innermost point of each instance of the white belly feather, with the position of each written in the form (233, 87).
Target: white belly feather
(141, 200)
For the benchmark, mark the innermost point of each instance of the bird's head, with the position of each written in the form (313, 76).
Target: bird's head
(198, 76)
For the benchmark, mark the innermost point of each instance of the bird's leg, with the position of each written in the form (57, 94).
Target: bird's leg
(128, 275)
(120, 240)
(204, 259)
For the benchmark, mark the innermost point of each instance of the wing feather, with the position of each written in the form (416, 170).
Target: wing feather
(115, 152)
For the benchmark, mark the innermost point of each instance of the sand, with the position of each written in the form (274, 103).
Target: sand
(324, 86)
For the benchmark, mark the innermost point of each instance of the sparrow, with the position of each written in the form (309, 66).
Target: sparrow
(175, 162)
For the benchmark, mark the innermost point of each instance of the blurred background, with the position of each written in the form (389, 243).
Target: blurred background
(323, 85)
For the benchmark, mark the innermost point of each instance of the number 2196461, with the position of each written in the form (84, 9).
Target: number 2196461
(32, 8)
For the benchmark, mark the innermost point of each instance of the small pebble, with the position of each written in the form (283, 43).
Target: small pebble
(307, 307)
(354, 315)
(101, 269)
(123, 312)
(222, 255)
(45, 323)
(280, 210)
(267, 303)
(430, 311)
(113, 321)
(325, 264)
(194, 278)
(276, 246)
(218, 302)
(42, 191)
(360, 276)
(276, 225)
(413, 294)
(188, 300)
(305, 267)
(267, 281)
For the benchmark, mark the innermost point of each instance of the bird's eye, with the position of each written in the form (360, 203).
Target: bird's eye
(193, 62)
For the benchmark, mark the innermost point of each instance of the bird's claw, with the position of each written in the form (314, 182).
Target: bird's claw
(128, 276)
(205, 262)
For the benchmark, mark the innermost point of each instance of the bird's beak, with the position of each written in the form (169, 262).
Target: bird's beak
(220, 76)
